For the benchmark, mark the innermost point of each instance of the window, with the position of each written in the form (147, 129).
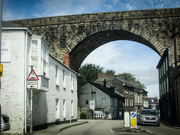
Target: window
(64, 80)
(167, 81)
(87, 102)
(64, 108)
(164, 86)
(103, 100)
(166, 64)
(57, 108)
(127, 102)
(72, 83)
(57, 75)
(72, 108)
(34, 53)
(44, 59)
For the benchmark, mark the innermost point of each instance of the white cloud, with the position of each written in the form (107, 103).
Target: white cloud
(130, 7)
(120, 56)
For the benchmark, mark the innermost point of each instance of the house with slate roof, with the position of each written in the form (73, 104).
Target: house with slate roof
(108, 101)
(134, 97)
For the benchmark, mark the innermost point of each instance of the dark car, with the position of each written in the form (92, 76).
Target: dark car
(5, 124)
(148, 117)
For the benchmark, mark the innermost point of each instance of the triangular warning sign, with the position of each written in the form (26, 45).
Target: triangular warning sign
(32, 76)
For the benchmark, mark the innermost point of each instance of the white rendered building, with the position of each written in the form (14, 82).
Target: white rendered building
(55, 98)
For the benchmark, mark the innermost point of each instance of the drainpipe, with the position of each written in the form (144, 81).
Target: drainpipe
(25, 83)
(70, 95)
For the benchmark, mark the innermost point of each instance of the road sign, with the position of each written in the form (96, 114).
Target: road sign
(92, 104)
(133, 115)
(32, 76)
(133, 120)
(1, 70)
(32, 84)
(32, 80)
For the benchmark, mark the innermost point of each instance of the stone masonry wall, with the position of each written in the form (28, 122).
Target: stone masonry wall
(81, 34)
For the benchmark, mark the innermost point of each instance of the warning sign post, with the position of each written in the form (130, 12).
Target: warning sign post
(32, 82)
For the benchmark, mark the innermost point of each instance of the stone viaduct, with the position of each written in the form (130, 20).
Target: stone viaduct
(81, 34)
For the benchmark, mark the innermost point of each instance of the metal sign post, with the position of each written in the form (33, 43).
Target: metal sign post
(92, 107)
(31, 119)
(32, 83)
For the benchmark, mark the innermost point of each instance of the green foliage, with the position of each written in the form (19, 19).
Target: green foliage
(130, 78)
(126, 77)
(82, 115)
(110, 71)
(88, 73)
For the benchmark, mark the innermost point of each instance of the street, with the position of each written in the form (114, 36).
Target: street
(94, 127)
(106, 127)
(162, 130)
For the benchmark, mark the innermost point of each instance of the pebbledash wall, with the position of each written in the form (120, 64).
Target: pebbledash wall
(55, 99)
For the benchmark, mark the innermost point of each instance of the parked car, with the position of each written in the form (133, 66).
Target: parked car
(5, 123)
(148, 117)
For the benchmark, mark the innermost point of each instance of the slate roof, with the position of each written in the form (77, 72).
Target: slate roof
(109, 91)
(131, 85)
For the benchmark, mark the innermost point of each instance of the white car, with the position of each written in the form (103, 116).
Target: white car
(148, 117)
(5, 124)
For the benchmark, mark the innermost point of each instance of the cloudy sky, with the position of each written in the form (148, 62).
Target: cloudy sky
(121, 56)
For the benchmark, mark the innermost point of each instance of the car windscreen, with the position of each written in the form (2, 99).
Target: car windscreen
(152, 112)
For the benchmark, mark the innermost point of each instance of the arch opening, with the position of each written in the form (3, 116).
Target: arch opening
(92, 42)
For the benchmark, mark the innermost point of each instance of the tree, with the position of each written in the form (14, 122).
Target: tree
(88, 73)
(126, 77)
(130, 78)
(110, 71)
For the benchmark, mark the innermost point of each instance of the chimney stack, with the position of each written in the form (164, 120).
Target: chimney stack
(104, 83)
(66, 59)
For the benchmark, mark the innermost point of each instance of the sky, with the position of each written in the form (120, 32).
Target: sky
(121, 56)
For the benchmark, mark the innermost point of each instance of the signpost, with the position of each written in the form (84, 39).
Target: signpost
(92, 107)
(32, 83)
(133, 120)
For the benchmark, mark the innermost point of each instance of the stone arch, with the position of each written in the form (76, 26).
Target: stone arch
(82, 45)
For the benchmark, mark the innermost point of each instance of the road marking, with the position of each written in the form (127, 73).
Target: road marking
(112, 130)
(149, 131)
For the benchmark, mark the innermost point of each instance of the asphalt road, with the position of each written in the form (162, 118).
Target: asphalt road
(162, 130)
(94, 127)
(108, 127)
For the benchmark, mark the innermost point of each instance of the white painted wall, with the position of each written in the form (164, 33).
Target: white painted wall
(85, 94)
(13, 80)
(15, 97)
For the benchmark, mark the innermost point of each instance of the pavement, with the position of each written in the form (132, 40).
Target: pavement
(55, 129)
(170, 124)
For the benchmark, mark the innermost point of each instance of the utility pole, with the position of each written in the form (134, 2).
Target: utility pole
(1, 3)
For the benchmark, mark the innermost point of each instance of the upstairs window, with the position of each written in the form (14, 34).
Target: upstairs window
(45, 60)
(103, 100)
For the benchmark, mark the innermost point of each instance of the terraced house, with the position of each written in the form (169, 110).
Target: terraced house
(134, 96)
(54, 100)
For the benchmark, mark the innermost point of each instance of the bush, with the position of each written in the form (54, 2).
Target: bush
(82, 115)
